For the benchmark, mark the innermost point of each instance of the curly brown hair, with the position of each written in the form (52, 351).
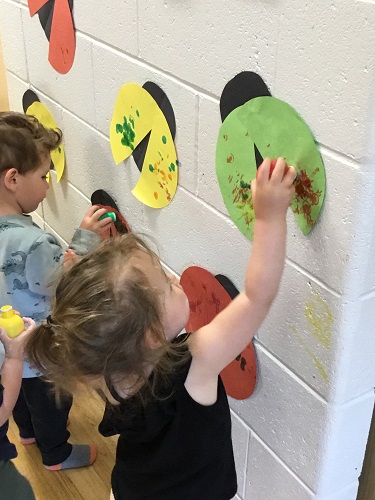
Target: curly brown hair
(23, 142)
(102, 310)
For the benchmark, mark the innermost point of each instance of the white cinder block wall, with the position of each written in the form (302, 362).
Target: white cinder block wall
(302, 435)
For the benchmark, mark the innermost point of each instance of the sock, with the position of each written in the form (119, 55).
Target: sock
(81, 456)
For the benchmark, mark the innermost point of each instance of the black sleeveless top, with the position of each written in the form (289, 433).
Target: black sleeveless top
(172, 449)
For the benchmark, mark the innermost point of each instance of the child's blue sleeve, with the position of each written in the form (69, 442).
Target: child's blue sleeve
(45, 258)
(84, 241)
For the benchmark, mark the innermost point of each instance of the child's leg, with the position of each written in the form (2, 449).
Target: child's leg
(49, 420)
(22, 418)
(13, 485)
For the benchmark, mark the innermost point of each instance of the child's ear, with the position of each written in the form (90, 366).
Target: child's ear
(151, 340)
(11, 178)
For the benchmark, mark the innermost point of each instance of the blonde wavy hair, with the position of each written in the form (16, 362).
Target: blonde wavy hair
(102, 310)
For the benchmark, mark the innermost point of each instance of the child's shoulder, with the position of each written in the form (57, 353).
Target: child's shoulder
(19, 232)
(15, 224)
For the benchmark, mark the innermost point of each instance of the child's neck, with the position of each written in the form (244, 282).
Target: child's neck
(8, 204)
(7, 208)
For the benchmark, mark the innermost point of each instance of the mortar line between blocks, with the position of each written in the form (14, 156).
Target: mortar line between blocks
(367, 295)
(283, 464)
(79, 192)
(24, 42)
(325, 149)
(335, 154)
(45, 224)
(342, 158)
(149, 66)
(138, 36)
(270, 451)
(58, 234)
(69, 112)
(196, 143)
(17, 4)
(94, 86)
(210, 207)
(314, 278)
(290, 372)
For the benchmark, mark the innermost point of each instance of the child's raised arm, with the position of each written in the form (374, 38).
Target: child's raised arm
(215, 345)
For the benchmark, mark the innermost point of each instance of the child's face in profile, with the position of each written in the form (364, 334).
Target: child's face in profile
(174, 301)
(33, 186)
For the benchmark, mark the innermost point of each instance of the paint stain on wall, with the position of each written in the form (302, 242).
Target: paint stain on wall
(320, 319)
(315, 360)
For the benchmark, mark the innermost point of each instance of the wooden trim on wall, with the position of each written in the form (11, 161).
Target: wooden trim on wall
(4, 99)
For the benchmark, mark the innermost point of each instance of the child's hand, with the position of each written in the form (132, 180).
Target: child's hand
(14, 347)
(91, 220)
(272, 191)
(70, 259)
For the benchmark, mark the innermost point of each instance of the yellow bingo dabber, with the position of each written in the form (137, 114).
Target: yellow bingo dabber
(11, 322)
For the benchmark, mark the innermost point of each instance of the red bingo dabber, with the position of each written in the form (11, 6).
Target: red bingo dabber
(272, 168)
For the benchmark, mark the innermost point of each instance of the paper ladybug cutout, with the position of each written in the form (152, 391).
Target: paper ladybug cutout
(142, 127)
(260, 126)
(32, 106)
(103, 200)
(56, 18)
(208, 295)
(164, 104)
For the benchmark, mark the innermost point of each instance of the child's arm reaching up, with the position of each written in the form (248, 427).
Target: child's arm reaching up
(215, 345)
(11, 370)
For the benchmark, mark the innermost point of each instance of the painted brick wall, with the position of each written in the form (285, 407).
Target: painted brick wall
(302, 435)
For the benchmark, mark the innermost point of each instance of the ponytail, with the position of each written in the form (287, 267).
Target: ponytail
(45, 351)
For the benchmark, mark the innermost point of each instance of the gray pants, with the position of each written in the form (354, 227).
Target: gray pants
(13, 486)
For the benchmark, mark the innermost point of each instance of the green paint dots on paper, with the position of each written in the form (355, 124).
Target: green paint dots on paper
(172, 167)
(59, 149)
(151, 168)
(137, 112)
(164, 139)
(127, 131)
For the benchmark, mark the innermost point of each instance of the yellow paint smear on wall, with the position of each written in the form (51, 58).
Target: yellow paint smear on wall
(320, 319)
(315, 360)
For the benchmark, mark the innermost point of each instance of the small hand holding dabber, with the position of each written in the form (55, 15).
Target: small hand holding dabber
(70, 258)
(286, 169)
